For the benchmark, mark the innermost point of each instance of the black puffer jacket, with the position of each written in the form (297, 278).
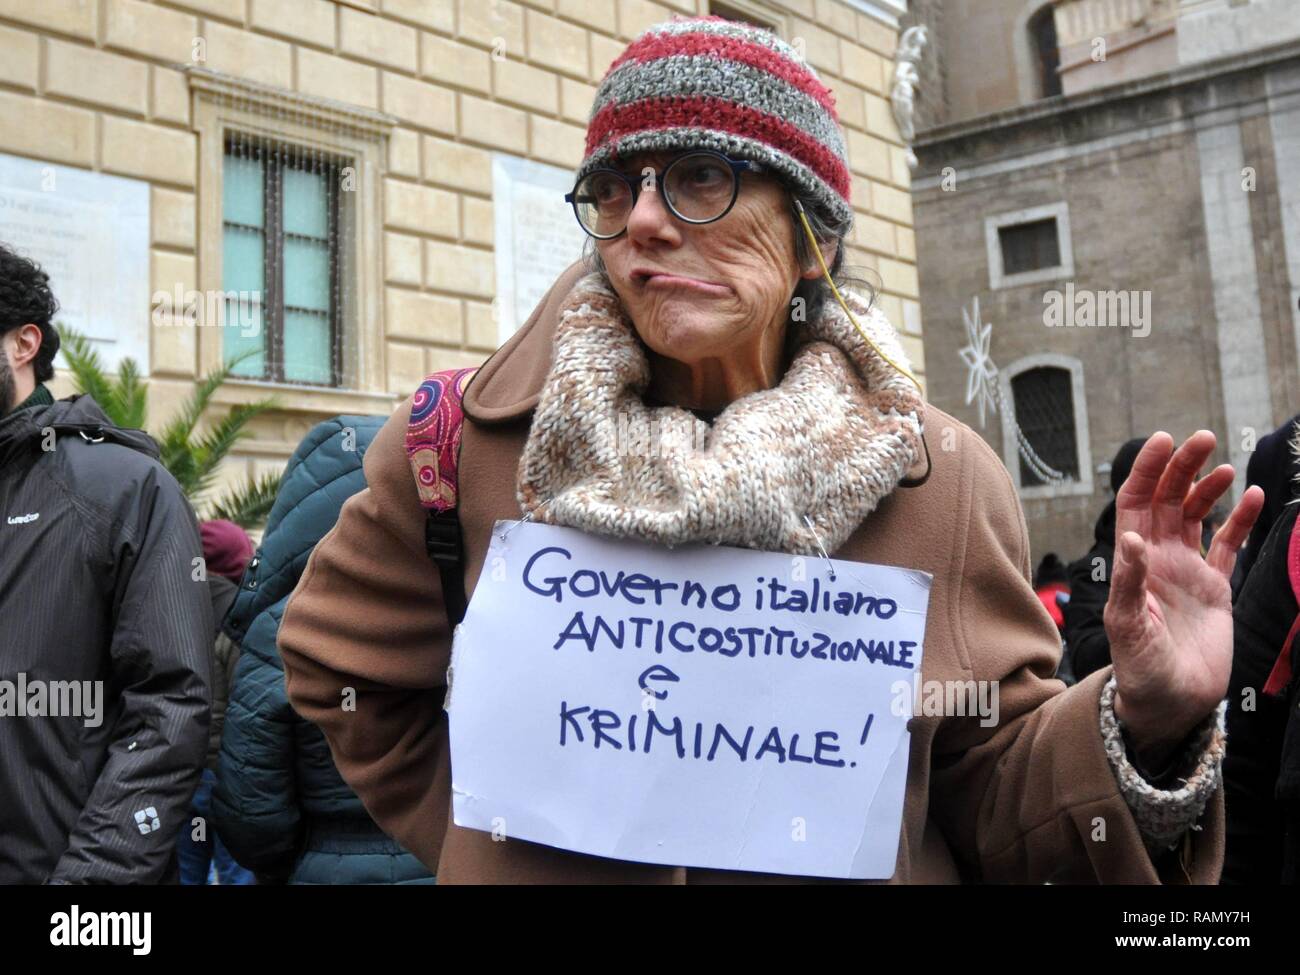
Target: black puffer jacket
(1275, 466)
(1261, 772)
(100, 581)
(279, 805)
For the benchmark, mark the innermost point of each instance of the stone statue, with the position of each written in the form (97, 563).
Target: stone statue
(902, 94)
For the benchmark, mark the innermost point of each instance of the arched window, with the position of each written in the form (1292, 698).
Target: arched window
(1042, 35)
(1045, 426)
(1045, 412)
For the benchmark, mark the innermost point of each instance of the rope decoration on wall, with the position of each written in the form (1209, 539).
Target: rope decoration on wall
(983, 387)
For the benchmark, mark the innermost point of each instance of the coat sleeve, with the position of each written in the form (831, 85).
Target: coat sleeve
(366, 642)
(255, 805)
(1035, 797)
(1257, 724)
(161, 660)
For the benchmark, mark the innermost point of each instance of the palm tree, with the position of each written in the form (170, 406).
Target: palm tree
(191, 459)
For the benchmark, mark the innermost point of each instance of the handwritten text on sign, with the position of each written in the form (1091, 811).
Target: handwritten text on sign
(700, 706)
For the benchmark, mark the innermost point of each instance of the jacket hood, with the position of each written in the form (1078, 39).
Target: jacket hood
(23, 429)
(324, 471)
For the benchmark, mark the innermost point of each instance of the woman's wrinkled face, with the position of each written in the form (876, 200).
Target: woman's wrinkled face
(698, 291)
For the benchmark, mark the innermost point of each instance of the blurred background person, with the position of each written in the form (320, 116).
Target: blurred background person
(1085, 633)
(1052, 587)
(1275, 467)
(280, 804)
(1261, 771)
(1051, 581)
(204, 859)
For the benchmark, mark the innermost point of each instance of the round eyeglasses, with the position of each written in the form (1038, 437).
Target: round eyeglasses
(698, 187)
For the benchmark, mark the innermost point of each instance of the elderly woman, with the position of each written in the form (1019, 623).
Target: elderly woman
(714, 187)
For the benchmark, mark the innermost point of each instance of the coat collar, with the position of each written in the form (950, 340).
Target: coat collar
(509, 384)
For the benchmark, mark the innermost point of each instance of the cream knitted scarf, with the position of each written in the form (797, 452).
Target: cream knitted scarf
(831, 440)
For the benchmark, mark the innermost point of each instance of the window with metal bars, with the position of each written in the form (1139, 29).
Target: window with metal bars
(1029, 246)
(280, 266)
(1044, 405)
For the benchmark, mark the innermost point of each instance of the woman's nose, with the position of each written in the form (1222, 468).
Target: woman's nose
(650, 219)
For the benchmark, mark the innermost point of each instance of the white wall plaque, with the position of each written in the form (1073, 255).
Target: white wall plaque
(90, 233)
(537, 236)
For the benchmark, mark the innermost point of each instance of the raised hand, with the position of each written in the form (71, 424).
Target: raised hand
(1169, 615)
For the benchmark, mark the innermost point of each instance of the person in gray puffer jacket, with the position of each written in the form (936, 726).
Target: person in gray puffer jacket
(280, 805)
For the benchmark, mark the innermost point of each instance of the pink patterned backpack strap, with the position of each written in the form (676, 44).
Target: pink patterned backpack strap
(433, 449)
(433, 437)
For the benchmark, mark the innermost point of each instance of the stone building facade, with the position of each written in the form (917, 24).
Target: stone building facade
(426, 143)
(1133, 244)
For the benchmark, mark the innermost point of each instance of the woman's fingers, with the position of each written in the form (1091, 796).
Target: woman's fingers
(1126, 607)
(1207, 491)
(1136, 492)
(1176, 481)
(1133, 500)
(1228, 540)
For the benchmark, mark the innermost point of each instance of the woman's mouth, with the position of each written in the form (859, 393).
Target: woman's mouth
(678, 282)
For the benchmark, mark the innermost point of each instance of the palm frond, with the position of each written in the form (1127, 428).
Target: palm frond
(181, 426)
(211, 448)
(249, 504)
(192, 463)
(87, 368)
(129, 397)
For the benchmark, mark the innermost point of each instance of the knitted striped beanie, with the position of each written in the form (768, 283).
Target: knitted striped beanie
(710, 83)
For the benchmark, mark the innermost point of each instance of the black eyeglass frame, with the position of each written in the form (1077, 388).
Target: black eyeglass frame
(737, 166)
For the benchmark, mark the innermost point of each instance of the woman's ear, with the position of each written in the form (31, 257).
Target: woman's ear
(814, 270)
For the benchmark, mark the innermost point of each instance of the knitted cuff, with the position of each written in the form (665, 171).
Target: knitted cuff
(1164, 815)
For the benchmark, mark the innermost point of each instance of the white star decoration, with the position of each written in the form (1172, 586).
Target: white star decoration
(982, 374)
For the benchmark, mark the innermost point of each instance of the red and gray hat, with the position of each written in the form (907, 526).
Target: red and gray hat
(710, 83)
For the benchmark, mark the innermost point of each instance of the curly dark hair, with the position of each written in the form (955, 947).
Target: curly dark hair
(26, 298)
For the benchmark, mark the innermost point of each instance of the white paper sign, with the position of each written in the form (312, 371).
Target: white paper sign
(702, 706)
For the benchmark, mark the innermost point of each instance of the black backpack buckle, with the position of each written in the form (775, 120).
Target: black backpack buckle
(442, 539)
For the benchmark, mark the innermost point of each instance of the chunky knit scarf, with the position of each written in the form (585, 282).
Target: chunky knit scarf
(824, 446)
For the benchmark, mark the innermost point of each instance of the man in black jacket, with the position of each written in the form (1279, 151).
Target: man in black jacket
(105, 626)
(1261, 771)
(1085, 633)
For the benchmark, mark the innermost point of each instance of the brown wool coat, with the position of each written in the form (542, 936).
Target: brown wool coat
(1020, 802)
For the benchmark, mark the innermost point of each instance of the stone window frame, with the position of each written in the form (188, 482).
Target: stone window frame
(759, 11)
(1024, 53)
(993, 245)
(223, 105)
(1083, 443)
